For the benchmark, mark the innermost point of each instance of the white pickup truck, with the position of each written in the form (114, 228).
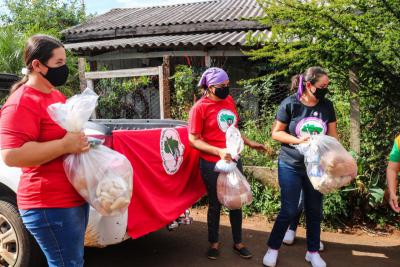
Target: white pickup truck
(18, 248)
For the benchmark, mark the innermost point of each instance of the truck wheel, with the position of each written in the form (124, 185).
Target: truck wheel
(17, 247)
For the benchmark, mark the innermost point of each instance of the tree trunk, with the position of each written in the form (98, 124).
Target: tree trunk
(81, 70)
(165, 91)
(354, 112)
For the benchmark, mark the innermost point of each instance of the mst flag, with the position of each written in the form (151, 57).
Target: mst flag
(166, 178)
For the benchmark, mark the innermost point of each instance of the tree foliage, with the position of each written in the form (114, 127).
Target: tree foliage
(53, 16)
(26, 18)
(342, 35)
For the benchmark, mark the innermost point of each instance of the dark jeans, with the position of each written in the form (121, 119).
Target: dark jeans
(292, 181)
(295, 222)
(60, 233)
(214, 207)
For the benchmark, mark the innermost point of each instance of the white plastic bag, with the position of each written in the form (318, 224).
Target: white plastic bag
(329, 166)
(102, 176)
(233, 190)
(102, 231)
(234, 141)
(73, 115)
(234, 146)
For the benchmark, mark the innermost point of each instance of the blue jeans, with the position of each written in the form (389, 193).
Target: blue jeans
(292, 181)
(295, 222)
(60, 233)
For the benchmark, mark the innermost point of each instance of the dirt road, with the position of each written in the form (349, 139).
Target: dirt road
(187, 246)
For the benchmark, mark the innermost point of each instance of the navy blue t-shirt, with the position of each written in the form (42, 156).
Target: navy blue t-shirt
(302, 120)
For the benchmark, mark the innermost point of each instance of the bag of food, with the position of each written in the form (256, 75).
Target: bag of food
(102, 176)
(329, 166)
(233, 190)
(102, 230)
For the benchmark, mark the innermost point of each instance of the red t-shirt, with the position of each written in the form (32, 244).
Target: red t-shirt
(211, 119)
(24, 118)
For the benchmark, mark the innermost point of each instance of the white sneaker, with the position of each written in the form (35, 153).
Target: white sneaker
(288, 239)
(321, 246)
(270, 257)
(315, 259)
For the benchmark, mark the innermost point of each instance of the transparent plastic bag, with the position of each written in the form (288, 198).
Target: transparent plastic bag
(233, 190)
(234, 146)
(102, 230)
(329, 166)
(77, 110)
(102, 176)
(234, 141)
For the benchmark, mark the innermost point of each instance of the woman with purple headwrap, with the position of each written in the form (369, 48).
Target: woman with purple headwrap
(305, 113)
(209, 119)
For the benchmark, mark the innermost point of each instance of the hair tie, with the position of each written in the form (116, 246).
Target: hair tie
(25, 71)
(300, 88)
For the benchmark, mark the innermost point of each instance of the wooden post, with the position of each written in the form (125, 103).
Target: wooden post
(81, 70)
(354, 112)
(207, 60)
(161, 91)
(164, 85)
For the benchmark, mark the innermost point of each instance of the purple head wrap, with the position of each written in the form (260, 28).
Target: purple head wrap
(213, 76)
(300, 88)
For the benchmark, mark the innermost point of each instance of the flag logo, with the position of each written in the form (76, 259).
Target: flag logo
(172, 150)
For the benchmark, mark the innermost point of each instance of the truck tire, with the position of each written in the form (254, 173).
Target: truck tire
(17, 247)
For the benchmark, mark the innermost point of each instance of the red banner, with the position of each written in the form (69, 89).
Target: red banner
(166, 178)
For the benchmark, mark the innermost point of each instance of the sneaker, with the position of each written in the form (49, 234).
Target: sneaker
(321, 246)
(315, 259)
(243, 252)
(212, 253)
(270, 257)
(289, 237)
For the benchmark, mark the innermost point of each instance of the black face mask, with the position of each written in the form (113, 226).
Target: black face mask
(320, 93)
(57, 76)
(222, 92)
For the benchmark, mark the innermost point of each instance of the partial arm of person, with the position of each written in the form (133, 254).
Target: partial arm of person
(332, 130)
(253, 144)
(196, 142)
(279, 134)
(391, 176)
(38, 153)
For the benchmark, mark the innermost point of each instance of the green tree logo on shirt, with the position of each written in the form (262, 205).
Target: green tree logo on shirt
(171, 149)
(310, 126)
(225, 119)
(228, 119)
(312, 129)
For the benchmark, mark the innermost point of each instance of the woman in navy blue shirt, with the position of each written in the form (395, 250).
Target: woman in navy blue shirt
(300, 115)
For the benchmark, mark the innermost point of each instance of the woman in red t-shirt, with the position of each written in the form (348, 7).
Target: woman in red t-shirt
(51, 209)
(209, 119)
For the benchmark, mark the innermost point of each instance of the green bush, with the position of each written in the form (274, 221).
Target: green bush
(185, 91)
(266, 200)
(118, 98)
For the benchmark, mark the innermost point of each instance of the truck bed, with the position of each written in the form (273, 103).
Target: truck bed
(106, 126)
